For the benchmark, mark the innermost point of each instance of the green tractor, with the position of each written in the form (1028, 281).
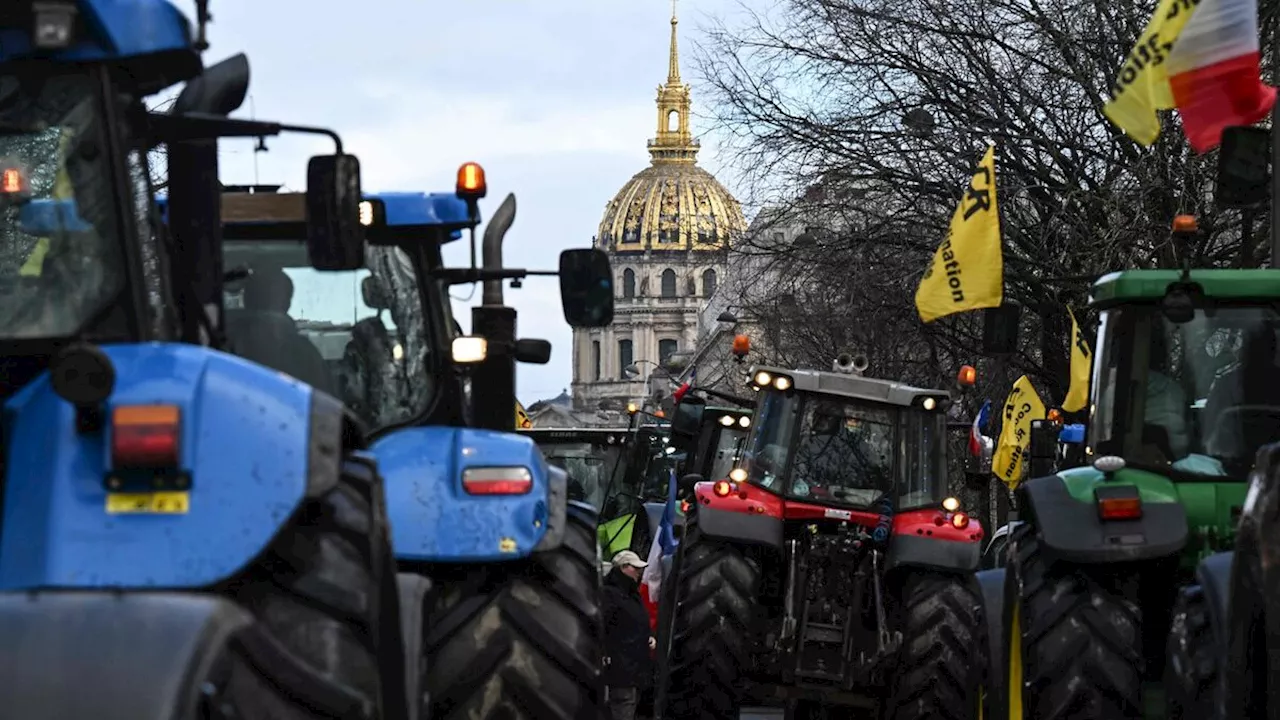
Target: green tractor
(1114, 579)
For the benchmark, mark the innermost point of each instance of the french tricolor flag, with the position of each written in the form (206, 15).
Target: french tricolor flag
(1214, 71)
(662, 548)
(979, 424)
(684, 389)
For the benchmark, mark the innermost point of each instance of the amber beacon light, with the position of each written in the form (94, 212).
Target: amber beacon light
(471, 182)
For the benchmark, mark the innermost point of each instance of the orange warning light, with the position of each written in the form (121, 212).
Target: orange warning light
(1055, 415)
(12, 181)
(471, 181)
(741, 345)
(1185, 224)
(967, 376)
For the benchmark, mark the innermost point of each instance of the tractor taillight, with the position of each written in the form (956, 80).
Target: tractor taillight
(1120, 508)
(145, 436)
(722, 488)
(497, 480)
(959, 520)
(1118, 502)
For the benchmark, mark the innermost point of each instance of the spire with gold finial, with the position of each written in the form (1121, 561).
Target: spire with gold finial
(674, 142)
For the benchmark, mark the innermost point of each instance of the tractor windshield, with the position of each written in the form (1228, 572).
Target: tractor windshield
(843, 451)
(650, 465)
(61, 262)
(590, 467)
(728, 448)
(1200, 397)
(360, 336)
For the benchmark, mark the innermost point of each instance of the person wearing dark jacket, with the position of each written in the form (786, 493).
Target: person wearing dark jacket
(627, 640)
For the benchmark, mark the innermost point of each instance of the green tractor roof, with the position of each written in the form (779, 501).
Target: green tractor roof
(1139, 285)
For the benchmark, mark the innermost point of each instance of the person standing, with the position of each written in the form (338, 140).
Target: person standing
(627, 640)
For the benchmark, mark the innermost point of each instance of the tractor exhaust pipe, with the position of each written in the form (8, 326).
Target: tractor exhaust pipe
(493, 394)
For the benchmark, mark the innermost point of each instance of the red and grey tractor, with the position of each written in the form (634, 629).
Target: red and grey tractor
(829, 570)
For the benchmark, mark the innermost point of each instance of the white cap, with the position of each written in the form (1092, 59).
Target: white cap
(626, 558)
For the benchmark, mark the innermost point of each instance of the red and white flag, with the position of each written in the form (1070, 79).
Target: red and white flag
(1214, 71)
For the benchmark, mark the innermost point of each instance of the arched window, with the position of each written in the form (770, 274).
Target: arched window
(708, 282)
(666, 348)
(673, 121)
(595, 359)
(624, 357)
(628, 283)
(668, 283)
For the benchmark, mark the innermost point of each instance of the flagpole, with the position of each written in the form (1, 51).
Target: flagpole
(1275, 145)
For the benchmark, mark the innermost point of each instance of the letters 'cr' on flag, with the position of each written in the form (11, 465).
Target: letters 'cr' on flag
(967, 270)
(1142, 86)
(1081, 362)
(1214, 71)
(1021, 408)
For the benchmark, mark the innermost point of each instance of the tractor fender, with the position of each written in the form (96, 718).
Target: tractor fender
(111, 656)
(926, 538)
(1071, 529)
(253, 441)
(991, 586)
(757, 520)
(1214, 576)
(434, 519)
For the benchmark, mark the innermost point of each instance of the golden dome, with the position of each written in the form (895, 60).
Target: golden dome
(672, 205)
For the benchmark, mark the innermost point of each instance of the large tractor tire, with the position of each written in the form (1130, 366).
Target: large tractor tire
(1192, 663)
(705, 626)
(520, 640)
(1074, 643)
(941, 666)
(325, 596)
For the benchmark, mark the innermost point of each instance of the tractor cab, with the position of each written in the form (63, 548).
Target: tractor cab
(712, 437)
(593, 458)
(844, 441)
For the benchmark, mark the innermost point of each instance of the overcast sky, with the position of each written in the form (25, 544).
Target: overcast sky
(555, 98)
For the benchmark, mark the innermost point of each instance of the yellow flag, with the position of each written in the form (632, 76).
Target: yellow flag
(967, 271)
(1142, 85)
(1081, 362)
(522, 418)
(1021, 407)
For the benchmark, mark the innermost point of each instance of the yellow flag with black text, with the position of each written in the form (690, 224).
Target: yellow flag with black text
(967, 271)
(1142, 85)
(1081, 362)
(1021, 407)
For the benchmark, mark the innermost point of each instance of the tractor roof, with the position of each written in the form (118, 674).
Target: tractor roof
(852, 386)
(150, 39)
(1150, 285)
(605, 436)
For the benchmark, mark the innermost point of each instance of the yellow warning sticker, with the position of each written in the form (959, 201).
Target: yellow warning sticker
(154, 503)
(507, 545)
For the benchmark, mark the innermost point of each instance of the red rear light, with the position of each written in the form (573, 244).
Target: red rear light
(722, 488)
(1118, 502)
(1120, 508)
(497, 480)
(960, 521)
(145, 436)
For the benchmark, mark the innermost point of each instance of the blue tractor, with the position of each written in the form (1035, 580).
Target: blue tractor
(505, 609)
(185, 533)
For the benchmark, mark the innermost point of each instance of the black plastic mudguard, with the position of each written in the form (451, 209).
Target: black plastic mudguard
(1072, 530)
(414, 590)
(557, 509)
(755, 529)
(932, 553)
(991, 585)
(107, 656)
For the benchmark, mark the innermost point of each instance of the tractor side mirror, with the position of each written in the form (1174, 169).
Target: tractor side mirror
(1000, 329)
(371, 292)
(535, 352)
(586, 287)
(685, 486)
(687, 418)
(335, 237)
(1243, 168)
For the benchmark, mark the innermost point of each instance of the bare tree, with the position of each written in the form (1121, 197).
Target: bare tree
(869, 116)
